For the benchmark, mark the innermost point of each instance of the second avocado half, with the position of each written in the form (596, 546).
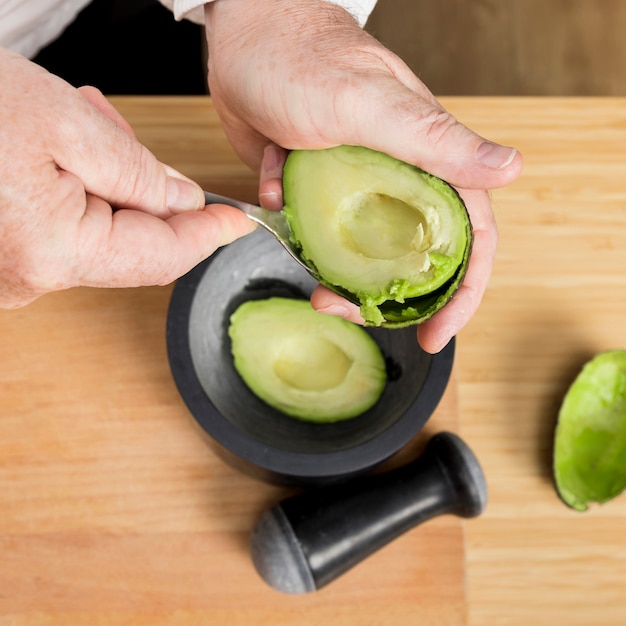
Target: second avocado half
(385, 234)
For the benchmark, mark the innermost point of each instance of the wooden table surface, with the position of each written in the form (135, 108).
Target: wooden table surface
(114, 511)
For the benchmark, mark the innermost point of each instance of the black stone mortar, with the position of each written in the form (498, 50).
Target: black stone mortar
(250, 434)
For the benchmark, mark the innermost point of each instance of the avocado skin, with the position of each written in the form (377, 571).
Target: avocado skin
(589, 461)
(390, 307)
(417, 310)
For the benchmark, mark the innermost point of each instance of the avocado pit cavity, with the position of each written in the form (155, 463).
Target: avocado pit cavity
(379, 226)
(385, 234)
(311, 363)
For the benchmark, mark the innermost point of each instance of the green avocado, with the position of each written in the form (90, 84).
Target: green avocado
(590, 442)
(383, 233)
(314, 367)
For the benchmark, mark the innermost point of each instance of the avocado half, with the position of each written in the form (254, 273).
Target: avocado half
(314, 367)
(385, 234)
(590, 443)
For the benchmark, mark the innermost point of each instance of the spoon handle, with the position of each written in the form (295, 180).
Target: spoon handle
(273, 221)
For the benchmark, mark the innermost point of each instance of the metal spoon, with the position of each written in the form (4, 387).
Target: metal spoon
(273, 221)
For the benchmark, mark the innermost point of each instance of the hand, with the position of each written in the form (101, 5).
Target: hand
(301, 74)
(436, 332)
(82, 202)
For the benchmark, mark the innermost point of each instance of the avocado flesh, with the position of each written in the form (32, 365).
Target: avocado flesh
(314, 367)
(381, 232)
(590, 441)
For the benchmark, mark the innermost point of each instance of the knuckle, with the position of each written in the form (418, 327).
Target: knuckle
(435, 125)
(425, 122)
(133, 184)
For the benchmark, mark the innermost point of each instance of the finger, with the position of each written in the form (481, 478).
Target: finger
(435, 333)
(98, 99)
(323, 300)
(416, 129)
(270, 179)
(111, 163)
(130, 248)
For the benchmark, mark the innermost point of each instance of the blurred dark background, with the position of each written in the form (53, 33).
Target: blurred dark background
(130, 47)
(457, 47)
(509, 47)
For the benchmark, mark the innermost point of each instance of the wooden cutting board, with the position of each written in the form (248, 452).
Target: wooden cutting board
(115, 511)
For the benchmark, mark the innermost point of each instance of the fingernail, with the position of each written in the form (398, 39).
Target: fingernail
(183, 195)
(271, 201)
(272, 160)
(494, 155)
(334, 309)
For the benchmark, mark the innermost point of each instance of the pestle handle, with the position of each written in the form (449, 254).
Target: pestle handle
(308, 540)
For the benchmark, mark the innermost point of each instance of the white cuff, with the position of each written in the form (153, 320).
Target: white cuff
(192, 9)
(359, 9)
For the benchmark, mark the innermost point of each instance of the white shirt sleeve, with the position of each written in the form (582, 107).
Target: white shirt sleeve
(193, 9)
(26, 26)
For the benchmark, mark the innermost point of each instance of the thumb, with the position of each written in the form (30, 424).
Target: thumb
(415, 128)
(99, 100)
(94, 143)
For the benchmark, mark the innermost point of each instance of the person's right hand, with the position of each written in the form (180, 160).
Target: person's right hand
(301, 74)
(82, 202)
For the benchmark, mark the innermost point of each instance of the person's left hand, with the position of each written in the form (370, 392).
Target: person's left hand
(301, 74)
(83, 202)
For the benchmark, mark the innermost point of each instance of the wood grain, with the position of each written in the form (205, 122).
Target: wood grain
(557, 297)
(115, 511)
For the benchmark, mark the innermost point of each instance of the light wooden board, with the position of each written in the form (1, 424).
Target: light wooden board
(557, 296)
(115, 511)
(95, 444)
(113, 508)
